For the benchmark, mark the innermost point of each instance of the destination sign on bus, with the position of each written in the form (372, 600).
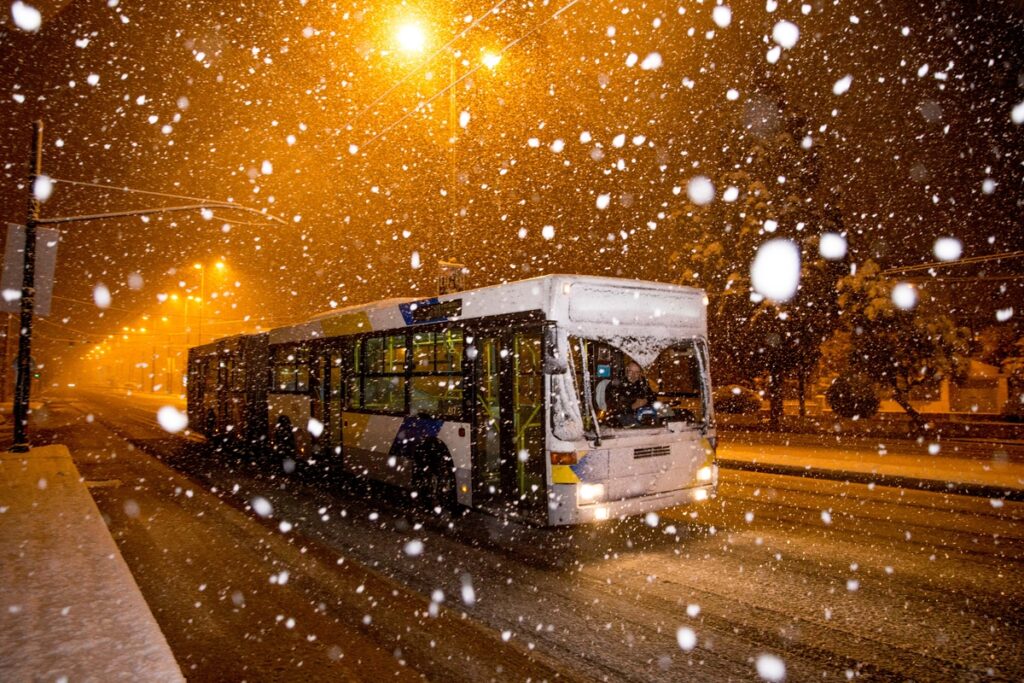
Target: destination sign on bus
(431, 311)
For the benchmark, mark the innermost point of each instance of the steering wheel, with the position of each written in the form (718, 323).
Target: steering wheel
(646, 414)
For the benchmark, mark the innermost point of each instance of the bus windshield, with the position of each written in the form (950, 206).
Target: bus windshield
(625, 395)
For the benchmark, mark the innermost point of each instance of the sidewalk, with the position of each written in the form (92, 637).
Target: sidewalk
(989, 469)
(883, 425)
(69, 607)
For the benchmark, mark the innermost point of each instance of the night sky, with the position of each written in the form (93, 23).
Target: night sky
(302, 109)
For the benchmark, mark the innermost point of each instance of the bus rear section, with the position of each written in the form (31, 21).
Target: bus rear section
(227, 392)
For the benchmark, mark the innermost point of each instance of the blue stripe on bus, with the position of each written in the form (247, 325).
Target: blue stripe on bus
(579, 468)
(409, 316)
(590, 468)
(414, 431)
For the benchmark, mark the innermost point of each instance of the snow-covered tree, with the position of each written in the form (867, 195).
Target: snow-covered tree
(900, 343)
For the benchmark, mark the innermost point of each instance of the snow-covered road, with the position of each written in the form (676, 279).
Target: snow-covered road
(833, 579)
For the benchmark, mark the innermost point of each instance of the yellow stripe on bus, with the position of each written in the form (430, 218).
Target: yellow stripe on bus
(563, 474)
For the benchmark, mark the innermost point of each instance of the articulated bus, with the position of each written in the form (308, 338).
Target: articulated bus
(501, 399)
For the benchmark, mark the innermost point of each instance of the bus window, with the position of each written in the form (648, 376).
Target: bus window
(676, 377)
(384, 376)
(236, 374)
(437, 374)
(385, 355)
(290, 371)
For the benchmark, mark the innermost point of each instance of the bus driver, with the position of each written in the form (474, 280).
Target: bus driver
(630, 396)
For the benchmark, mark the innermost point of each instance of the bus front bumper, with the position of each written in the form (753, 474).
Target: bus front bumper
(567, 511)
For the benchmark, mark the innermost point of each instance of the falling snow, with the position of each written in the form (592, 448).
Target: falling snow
(171, 419)
(904, 295)
(775, 272)
(786, 34)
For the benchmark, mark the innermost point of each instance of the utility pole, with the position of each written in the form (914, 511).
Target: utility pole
(453, 138)
(202, 300)
(23, 387)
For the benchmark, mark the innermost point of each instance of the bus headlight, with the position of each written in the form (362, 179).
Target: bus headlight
(700, 494)
(704, 474)
(601, 513)
(591, 492)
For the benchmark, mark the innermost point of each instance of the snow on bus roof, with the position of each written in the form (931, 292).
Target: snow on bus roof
(355, 308)
(541, 279)
(541, 293)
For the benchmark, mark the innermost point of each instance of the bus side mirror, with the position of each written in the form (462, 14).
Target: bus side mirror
(553, 365)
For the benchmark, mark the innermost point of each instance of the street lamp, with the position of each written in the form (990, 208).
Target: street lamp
(491, 60)
(219, 265)
(411, 37)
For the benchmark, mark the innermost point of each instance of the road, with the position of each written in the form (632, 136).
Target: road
(837, 580)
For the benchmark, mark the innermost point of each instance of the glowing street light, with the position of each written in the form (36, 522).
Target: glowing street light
(411, 38)
(491, 59)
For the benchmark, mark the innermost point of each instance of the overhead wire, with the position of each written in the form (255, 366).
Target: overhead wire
(165, 195)
(123, 188)
(967, 278)
(958, 262)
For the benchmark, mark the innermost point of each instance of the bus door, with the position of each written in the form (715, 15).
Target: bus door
(329, 401)
(509, 473)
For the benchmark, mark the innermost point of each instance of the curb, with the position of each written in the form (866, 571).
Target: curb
(957, 488)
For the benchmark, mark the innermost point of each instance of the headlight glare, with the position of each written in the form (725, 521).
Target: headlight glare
(591, 492)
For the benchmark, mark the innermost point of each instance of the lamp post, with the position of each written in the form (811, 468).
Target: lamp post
(201, 267)
(178, 349)
(411, 38)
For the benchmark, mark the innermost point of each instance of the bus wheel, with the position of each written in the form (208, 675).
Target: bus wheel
(436, 481)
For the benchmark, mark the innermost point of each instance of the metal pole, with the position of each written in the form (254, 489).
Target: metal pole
(202, 300)
(168, 369)
(453, 128)
(23, 385)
